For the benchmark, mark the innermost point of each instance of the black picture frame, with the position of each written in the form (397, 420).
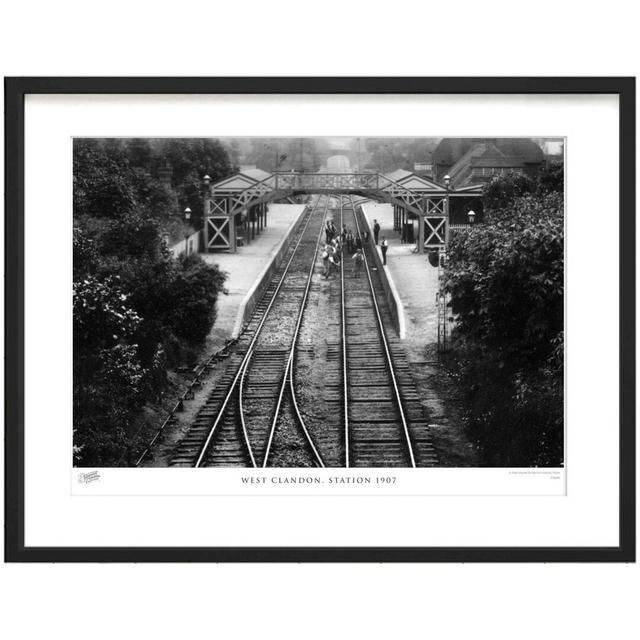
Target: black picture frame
(15, 91)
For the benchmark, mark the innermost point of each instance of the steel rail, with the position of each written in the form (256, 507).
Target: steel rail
(214, 427)
(345, 391)
(289, 366)
(291, 359)
(386, 349)
(303, 425)
(181, 399)
(245, 432)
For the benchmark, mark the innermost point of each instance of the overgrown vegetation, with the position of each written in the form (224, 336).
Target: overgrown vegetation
(137, 310)
(506, 279)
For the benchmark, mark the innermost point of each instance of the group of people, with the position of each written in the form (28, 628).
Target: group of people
(339, 241)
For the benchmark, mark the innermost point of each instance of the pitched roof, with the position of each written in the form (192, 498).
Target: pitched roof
(413, 181)
(525, 148)
(398, 175)
(461, 169)
(256, 174)
(240, 181)
(450, 150)
(504, 161)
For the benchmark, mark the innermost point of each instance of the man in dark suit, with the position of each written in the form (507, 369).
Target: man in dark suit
(376, 230)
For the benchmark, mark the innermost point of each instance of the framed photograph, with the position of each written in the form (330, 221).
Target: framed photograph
(320, 319)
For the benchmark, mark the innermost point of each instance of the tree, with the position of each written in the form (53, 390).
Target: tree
(134, 236)
(191, 159)
(101, 181)
(506, 279)
(194, 293)
(114, 177)
(500, 192)
(107, 374)
(140, 153)
(108, 184)
(85, 254)
(137, 309)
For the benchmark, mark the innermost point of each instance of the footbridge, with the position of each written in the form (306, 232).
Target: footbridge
(242, 199)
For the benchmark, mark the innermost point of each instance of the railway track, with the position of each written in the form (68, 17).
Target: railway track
(364, 410)
(317, 383)
(237, 424)
(385, 425)
(315, 379)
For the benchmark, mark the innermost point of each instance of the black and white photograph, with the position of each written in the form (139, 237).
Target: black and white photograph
(318, 302)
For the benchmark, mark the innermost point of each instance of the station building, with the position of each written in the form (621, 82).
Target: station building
(475, 161)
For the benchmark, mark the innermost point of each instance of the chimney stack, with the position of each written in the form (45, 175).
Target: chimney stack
(165, 173)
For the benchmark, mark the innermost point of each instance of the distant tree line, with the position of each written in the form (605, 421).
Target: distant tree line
(388, 154)
(137, 310)
(310, 154)
(286, 154)
(506, 278)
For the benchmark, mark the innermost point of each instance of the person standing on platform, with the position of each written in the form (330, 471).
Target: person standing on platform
(376, 231)
(385, 246)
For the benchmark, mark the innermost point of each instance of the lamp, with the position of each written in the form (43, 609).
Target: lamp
(187, 217)
(206, 180)
(472, 216)
(447, 182)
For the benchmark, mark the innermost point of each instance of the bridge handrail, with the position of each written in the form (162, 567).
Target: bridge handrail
(286, 181)
(241, 198)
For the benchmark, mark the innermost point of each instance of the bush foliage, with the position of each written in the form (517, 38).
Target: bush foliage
(506, 279)
(137, 310)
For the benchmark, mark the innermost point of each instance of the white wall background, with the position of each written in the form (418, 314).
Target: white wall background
(328, 38)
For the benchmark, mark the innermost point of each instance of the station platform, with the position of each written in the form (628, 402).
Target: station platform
(414, 279)
(246, 267)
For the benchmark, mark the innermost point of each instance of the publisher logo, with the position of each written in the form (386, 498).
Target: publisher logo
(90, 476)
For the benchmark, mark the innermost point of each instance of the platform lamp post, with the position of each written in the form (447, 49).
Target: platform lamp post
(447, 184)
(206, 188)
(187, 218)
(442, 297)
(206, 192)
